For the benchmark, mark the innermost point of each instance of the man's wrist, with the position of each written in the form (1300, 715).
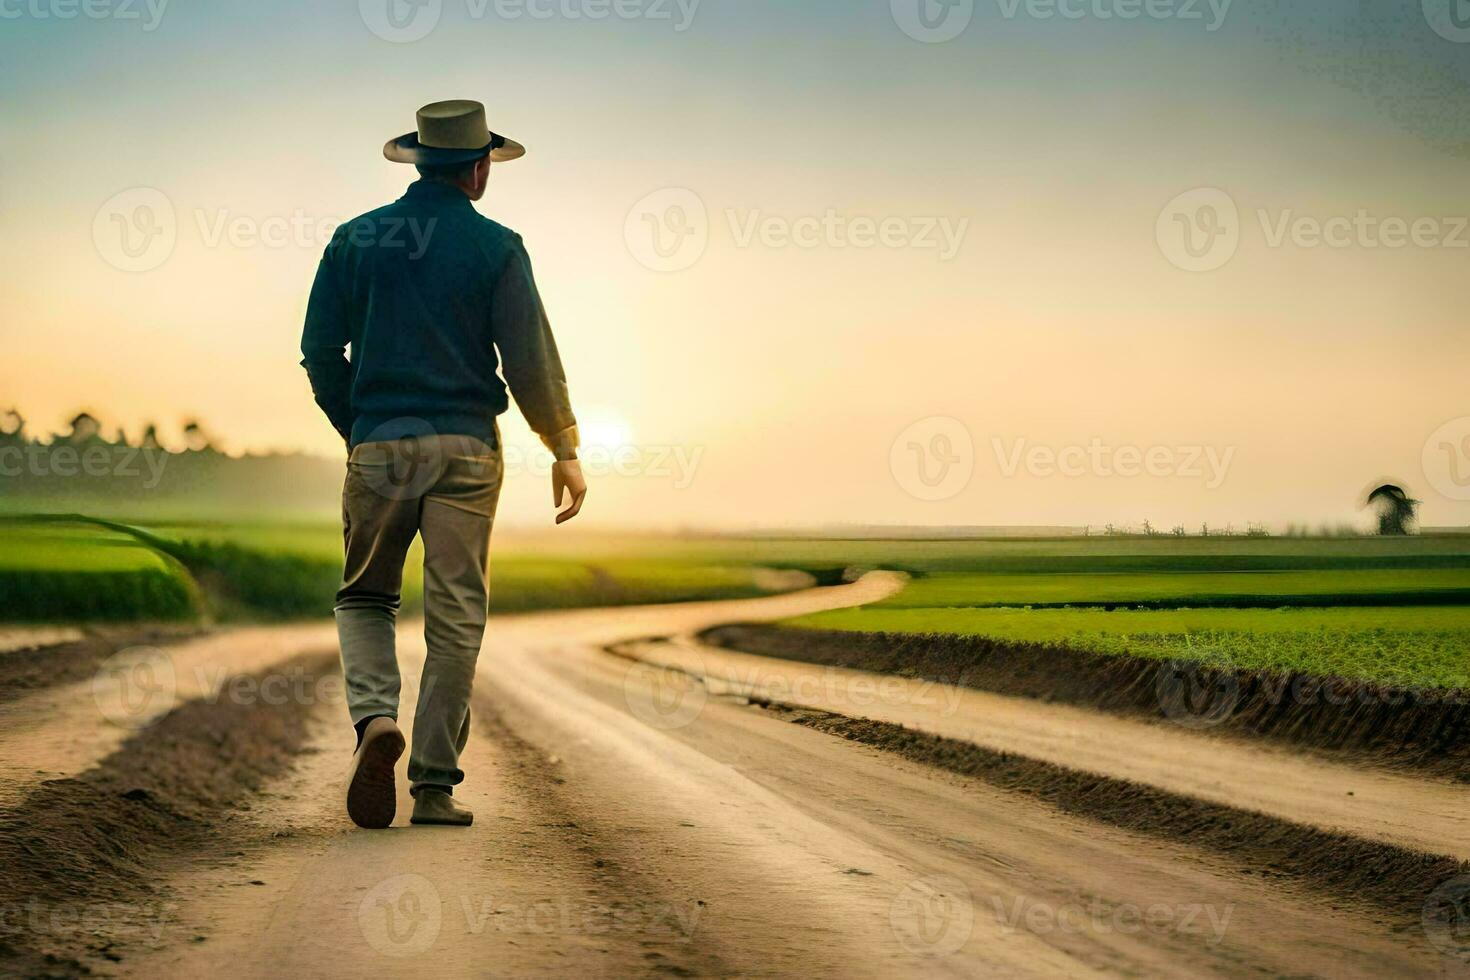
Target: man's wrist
(563, 445)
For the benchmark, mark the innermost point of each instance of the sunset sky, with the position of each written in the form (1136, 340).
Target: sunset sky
(766, 380)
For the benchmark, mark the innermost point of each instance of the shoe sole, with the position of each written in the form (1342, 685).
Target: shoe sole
(427, 822)
(372, 796)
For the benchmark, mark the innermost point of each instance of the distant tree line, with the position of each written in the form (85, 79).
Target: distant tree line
(1397, 515)
(1147, 530)
(84, 468)
(85, 429)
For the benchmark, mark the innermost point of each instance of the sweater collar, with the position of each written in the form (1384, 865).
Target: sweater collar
(434, 191)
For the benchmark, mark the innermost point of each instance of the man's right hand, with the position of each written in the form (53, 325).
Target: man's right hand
(566, 478)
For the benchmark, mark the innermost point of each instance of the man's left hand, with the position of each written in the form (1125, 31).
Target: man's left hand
(566, 478)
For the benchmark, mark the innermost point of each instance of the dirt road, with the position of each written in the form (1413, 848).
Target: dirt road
(1401, 809)
(632, 821)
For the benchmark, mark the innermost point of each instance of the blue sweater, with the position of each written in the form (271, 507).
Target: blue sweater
(433, 300)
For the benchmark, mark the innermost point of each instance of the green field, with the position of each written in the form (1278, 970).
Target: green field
(1079, 554)
(1263, 589)
(69, 570)
(1389, 610)
(67, 548)
(59, 572)
(1409, 645)
(525, 573)
(1392, 610)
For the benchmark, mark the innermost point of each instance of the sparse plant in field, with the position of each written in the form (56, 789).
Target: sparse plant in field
(195, 437)
(84, 428)
(1397, 511)
(12, 426)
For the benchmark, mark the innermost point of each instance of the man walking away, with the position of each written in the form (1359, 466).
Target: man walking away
(433, 301)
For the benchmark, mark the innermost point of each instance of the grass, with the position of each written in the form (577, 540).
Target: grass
(1214, 598)
(320, 540)
(68, 569)
(1077, 555)
(522, 579)
(530, 572)
(1378, 609)
(55, 572)
(62, 548)
(1260, 589)
(1415, 646)
(1392, 611)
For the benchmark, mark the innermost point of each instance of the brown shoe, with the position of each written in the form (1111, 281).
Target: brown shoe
(436, 808)
(372, 795)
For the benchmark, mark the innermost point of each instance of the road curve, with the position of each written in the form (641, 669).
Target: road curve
(1415, 812)
(630, 826)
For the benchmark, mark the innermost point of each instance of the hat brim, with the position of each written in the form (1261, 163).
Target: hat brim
(408, 149)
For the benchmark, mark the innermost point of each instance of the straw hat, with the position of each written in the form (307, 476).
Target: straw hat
(452, 132)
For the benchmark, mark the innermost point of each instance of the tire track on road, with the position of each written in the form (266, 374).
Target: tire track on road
(67, 728)
(82, 858)
(629, 920)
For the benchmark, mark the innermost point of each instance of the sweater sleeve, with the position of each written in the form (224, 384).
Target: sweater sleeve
(521, 333)
(324, 343)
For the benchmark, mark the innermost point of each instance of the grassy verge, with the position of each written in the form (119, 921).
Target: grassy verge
(54, 572)
(69, 568)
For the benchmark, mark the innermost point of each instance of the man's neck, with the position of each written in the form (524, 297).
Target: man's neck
(438, 189)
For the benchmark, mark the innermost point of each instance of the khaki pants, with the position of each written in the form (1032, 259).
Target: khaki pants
(443, 488)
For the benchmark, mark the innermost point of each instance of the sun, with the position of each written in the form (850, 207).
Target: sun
(604, 430)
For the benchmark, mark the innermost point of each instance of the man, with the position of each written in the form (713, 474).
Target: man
(432, 299)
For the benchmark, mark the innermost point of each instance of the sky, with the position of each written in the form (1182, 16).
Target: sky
(973, 262)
